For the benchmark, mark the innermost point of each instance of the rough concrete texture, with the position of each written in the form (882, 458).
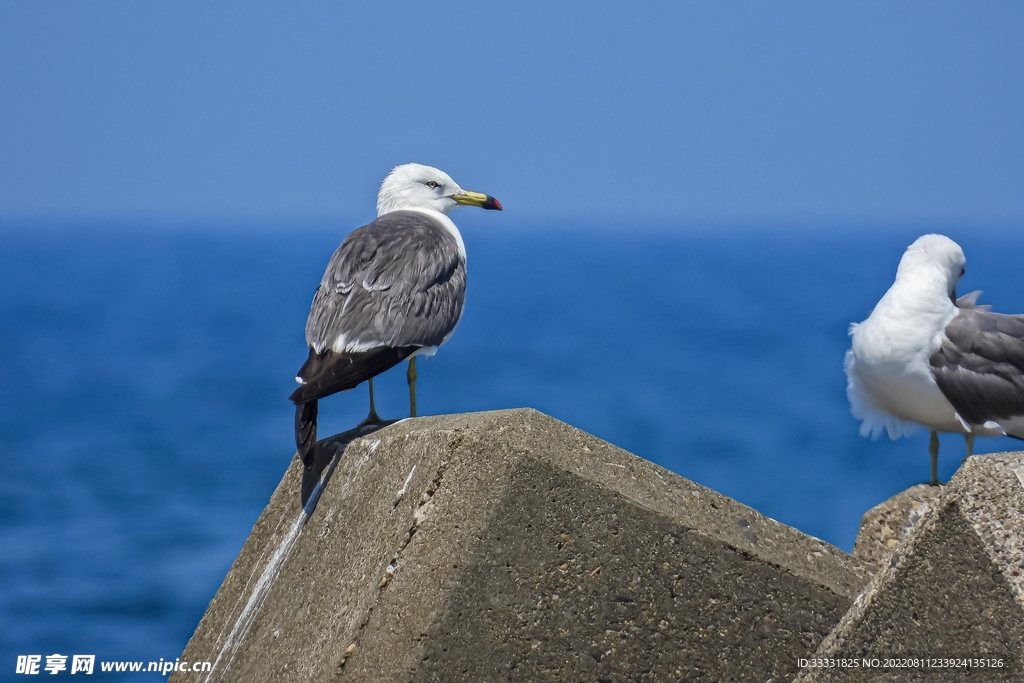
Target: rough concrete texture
(508, 546)
(953, 589)
(889, 522)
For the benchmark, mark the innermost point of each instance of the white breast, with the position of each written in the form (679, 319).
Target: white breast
(890, 382)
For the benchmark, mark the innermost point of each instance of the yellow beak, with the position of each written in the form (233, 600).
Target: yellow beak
(484, 201)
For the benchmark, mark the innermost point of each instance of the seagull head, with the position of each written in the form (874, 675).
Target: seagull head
(415, 186)
(935, 259)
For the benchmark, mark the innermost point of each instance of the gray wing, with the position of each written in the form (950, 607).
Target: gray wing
(970, 300)
(980, 365)
(399, 281)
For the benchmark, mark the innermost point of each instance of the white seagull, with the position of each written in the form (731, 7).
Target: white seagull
(393, 290)
(924, 357)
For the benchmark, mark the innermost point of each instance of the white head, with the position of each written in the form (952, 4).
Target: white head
(935, 257)
(415, 186)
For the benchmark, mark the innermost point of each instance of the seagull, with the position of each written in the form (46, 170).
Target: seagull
(394, 289)
(925, 357)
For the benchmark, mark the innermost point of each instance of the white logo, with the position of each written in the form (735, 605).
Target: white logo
(28, 664)
(55, 663)
(82, 664)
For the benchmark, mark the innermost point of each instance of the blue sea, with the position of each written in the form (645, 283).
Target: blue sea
(144, 370)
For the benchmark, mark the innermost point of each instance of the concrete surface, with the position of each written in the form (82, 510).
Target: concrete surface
(508, 546)
(952, 589)
(884, 526)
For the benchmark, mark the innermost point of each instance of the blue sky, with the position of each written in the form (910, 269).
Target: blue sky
(581, 111)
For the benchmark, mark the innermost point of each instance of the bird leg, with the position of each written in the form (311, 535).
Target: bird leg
(411, 376)
(372, 418)
(969, 438)
(933, 448)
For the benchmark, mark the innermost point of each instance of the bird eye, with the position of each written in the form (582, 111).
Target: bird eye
(433, 184)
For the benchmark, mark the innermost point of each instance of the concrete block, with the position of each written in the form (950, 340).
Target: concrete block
(953, 590)
(508, 546)
(884, 526)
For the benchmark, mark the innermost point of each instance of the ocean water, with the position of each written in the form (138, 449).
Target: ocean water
(144, 371)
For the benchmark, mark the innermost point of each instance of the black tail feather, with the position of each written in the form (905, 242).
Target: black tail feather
(305, 431)
(328, 372)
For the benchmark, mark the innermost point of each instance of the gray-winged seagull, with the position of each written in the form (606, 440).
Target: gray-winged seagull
(393, 290)
(925, 357)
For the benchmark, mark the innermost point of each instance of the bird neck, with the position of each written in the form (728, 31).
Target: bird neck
(917, 301)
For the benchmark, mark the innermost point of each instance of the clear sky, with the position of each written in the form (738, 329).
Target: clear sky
(722, 111)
